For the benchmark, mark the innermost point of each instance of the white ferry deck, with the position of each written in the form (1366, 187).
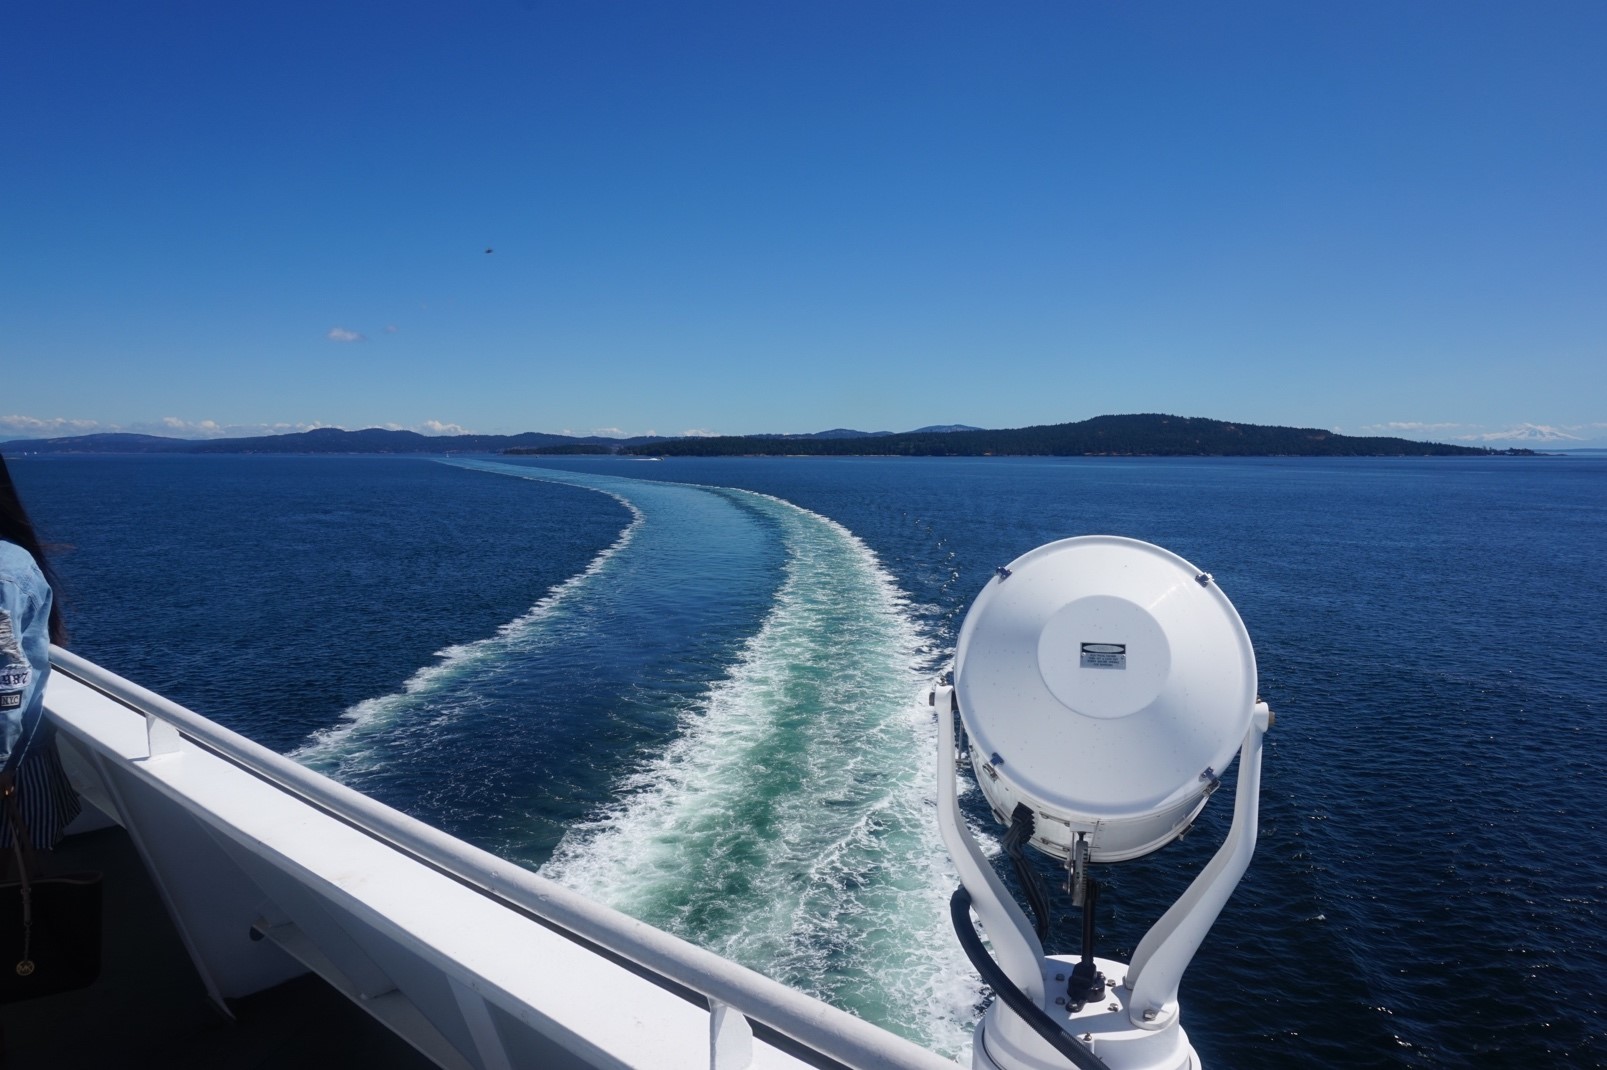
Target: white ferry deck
(150, 1009)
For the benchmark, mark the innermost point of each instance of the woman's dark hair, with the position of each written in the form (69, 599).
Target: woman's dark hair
(16, 527)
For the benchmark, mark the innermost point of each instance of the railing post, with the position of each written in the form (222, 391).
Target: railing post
(730, 1038)
(161, 737)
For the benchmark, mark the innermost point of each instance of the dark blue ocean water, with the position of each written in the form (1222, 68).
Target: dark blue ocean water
(688, 687)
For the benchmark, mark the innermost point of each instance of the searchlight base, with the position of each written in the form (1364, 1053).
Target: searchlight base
(1003, 1042)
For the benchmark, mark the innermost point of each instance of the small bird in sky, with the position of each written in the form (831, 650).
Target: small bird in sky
(489, 250)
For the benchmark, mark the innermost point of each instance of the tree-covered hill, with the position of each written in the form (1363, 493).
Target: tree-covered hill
(1147, 434)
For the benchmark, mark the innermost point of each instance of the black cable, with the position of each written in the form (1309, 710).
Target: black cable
(1086, 982)
(1090, 904)
(1022, 826)
(1018, 1001)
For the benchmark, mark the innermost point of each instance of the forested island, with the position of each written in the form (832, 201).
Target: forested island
(1142, 435)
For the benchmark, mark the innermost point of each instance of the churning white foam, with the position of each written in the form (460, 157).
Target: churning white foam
(791, 825)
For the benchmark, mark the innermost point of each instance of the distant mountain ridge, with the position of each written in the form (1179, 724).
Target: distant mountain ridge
(319, 440)
(1146, 434)
(374, 440)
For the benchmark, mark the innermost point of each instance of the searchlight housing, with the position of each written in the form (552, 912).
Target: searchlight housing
(1104, 685)
(1105, 682)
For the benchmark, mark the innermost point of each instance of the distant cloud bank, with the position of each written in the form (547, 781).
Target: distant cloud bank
(48, 427)
(429, 427)
(1416, 426)
(186, 429)
(1518, 435)
(20, 426)
(1526, 433)
(610, 432)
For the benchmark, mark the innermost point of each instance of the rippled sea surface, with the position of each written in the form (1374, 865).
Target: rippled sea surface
(689, 687)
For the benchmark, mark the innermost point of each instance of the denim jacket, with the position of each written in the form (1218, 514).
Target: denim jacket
(24, 651)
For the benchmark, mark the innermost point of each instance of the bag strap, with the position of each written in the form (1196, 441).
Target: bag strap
(21, 841)
(27, 869)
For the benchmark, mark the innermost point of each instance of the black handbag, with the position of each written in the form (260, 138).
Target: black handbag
(49, 926)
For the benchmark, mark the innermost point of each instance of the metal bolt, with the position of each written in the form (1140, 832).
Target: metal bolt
(1150, 1016)
(1114, 1007)
(1088, 1038)
(1110, 982)
(1060, 977)
(1060, 1001)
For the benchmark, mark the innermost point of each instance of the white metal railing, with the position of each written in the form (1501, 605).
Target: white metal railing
(815, 1025)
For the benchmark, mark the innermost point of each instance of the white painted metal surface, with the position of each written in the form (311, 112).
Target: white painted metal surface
(271, 870)
(1138, 1026)
(1015, 943)
(1169, 946)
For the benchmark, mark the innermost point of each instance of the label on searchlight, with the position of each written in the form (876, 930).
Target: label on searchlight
(1104, 655)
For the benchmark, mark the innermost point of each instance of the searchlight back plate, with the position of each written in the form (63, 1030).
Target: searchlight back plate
(1106, 675)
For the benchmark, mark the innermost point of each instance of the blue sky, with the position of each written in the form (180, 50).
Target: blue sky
(734, 217)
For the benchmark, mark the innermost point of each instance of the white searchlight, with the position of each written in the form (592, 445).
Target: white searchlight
(1104, 684)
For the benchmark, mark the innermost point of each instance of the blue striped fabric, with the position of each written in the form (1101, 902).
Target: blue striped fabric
(46, 799)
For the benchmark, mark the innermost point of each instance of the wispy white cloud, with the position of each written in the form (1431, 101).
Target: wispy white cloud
(341, 334)
(20, 426)
(279, 428)
(177, 427)
(391, 328)
(193, 428)
(1411, 425)
(699, 432)
(603, 432)
(428, 427)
